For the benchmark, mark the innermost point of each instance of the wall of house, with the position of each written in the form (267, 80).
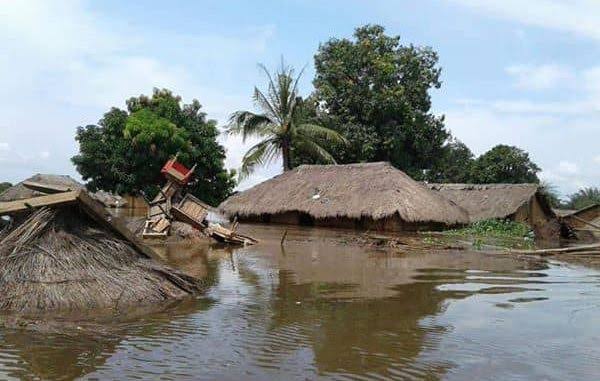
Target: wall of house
(533, 213)
(592, 215)
(391, 223)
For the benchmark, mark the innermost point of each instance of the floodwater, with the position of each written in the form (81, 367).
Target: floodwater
(322, 309)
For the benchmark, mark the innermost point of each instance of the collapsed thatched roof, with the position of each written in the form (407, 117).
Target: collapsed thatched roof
(21, 192)
(485, 201)
(61, 259)
(564, 212)
(375, 190)
(575, 212)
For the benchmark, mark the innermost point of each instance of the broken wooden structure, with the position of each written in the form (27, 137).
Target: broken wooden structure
(92, 207)
(172, 203)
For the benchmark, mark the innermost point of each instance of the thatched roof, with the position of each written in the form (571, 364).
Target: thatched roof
(375, 190)
(21, 192)
(485, 201)
(575, 212)
(60, 259)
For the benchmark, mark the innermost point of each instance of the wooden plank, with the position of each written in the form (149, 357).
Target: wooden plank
(12, 207)
(584, 221)
(117, 224)
(46, 188)
(183, 217)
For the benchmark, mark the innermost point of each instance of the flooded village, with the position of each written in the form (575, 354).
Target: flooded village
(379, 248)
(333, 284)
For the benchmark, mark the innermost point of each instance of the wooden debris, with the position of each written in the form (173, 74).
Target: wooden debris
(12, 207)
(192, 211)
(571, 249)
(596, 226)
(162, 210)
(222, 234)
(96, 211)
(46, 188)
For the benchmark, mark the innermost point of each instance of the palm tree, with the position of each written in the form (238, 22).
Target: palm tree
(282, 124)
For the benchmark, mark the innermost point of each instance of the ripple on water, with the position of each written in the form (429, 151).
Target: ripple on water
(343, 315)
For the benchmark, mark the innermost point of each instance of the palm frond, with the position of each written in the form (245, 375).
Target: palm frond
(294, 91)
(272, 90)
(313, 149)
(261, 101)
(260, 154)
(247, 123)
(320, 132)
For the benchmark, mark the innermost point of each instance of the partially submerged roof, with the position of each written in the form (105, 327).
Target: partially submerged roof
(564, 212)
(575, 212)
(20, 191)
(375, 190)
(486, 201)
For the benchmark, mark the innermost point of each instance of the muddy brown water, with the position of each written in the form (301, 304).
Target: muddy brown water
(322, 309)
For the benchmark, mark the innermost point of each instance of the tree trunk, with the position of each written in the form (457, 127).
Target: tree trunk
(286, 153)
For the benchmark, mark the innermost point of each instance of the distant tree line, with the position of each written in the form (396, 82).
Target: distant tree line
(371, 102)
(583, 198)
(375, 94)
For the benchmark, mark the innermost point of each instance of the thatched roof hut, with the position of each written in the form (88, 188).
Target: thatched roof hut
(519, 202)
(20, 191)
(585, 219)
(59, 258)
(368, 195)
(63, 258)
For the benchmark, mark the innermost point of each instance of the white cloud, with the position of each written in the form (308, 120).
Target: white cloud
(4, 147)
(540, 77)
(559, 143)
(580, 17)
(597, 159)
(71, 65)
(568, 167)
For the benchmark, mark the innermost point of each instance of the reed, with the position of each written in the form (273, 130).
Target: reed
(60, 259)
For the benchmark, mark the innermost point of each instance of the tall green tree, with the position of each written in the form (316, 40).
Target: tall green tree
(283, 124)
(375, 92)
(583, 198)
(455, 164)
(504, 164)
(125, 151)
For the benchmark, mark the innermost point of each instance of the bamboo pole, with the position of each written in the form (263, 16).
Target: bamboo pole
(571, 249)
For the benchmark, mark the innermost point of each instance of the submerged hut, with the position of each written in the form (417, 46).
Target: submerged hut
(373, 196)
(59, 182)
(585, 220)
(42, 184)
(74, 255)
(518, 202)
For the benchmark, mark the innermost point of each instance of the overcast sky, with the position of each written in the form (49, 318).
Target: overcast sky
(524, 73)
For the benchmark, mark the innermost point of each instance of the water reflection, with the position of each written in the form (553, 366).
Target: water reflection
(316, 309)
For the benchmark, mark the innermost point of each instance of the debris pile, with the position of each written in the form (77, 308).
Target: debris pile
(172, 203)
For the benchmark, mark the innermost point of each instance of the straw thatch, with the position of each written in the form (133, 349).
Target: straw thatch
(486, 201)
(585, 218)
(373, 191)
(21, 192)
(60, 259)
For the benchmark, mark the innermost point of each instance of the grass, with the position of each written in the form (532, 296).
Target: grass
(495, 228)
(504, 233)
